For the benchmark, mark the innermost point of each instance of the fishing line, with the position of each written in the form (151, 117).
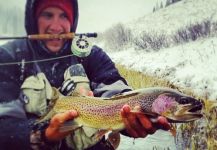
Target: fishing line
(34, 61)
(81, 47)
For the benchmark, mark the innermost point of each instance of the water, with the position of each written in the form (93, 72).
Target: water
(161, 140)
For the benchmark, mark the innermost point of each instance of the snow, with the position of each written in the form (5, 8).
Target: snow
(176, 16)
(191, 65)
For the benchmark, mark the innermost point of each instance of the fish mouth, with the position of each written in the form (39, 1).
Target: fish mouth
(185, 113)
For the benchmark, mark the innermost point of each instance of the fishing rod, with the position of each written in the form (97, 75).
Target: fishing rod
(70, 35)
(80, 47)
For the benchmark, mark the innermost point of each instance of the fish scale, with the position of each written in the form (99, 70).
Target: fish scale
(104, 113)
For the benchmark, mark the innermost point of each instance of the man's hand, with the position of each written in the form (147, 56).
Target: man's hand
(52, 133)
(138, 125)
(85, 92)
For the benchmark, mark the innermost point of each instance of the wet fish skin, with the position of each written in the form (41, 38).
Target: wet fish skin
(104, 113)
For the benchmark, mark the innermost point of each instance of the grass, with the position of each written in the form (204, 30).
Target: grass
(201, 134)
(139, 80)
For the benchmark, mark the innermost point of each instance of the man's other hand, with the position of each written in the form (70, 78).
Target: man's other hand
(85, 92)
(139, 126)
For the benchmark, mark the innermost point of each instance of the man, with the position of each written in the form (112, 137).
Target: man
(17, 115)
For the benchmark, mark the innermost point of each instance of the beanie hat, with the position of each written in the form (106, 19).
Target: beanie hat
(65, 5)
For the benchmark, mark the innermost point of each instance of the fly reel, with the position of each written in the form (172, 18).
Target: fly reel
(81, 45)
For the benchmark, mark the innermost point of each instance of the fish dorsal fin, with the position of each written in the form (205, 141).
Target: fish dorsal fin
(124, 95)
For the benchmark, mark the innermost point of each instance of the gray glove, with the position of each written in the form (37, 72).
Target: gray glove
(74, 79)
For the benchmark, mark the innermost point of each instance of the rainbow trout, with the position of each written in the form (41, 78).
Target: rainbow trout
(104, 113)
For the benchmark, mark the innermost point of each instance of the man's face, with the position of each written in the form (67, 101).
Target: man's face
(53, 20)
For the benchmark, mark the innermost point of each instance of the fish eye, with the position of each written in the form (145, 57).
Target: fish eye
(184, 100)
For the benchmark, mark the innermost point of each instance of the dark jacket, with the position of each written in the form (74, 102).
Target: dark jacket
(15, 124)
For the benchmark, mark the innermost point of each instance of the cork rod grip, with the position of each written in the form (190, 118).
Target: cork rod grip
(51, 36)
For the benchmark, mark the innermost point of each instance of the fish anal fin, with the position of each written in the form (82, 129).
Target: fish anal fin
(69, 126)
(98, 135)
(114, 138)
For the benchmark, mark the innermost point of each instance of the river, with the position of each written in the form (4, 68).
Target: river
(161, 140)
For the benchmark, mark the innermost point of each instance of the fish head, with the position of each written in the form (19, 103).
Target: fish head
(177, 107)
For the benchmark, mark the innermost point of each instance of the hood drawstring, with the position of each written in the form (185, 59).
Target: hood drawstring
(53, 69)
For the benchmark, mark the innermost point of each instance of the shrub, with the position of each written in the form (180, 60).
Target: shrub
(117, 36)
(193, 32)
(151, 40)
(181, 36)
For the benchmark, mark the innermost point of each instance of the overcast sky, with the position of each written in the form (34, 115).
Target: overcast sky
(97, 15)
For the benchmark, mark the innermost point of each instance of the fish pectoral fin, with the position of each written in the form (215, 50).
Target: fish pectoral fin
(151, 114)
(146, 113)
(99, 134)
(69, 126)
(138, 110)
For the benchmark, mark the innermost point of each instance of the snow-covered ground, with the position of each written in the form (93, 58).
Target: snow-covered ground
(191, 65)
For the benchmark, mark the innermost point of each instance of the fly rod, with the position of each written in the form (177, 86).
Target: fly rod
(70, 35)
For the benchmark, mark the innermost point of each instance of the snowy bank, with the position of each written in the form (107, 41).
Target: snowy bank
(192, 65)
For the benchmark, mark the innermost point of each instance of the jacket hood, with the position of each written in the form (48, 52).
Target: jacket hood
(30, 19)
(31, 22)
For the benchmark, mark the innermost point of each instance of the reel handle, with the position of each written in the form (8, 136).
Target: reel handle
(89, 35)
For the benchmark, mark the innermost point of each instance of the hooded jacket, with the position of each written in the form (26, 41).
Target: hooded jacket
(15, 124)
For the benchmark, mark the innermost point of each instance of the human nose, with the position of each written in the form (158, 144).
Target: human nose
(55, 26)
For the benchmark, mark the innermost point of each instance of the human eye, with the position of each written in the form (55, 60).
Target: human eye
(46, 15)
(64, 16)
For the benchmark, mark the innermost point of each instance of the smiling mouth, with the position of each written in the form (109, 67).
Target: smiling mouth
(55, 40)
